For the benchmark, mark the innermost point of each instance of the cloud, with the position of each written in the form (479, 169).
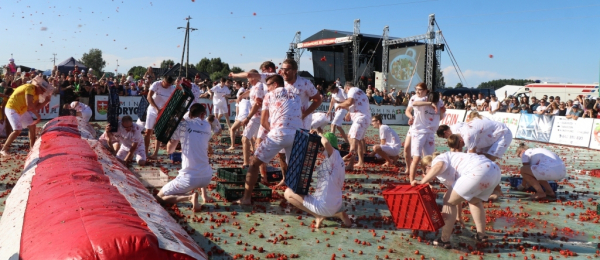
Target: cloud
(126, 64)
(473, 77)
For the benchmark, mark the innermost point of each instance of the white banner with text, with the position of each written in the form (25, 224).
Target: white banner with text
(571, 132)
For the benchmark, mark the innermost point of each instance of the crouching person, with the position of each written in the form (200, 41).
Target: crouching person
(127, 142)
(194, 134)
(327, 199)
(539, 167)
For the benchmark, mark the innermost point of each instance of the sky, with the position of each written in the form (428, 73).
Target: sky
(547, 40)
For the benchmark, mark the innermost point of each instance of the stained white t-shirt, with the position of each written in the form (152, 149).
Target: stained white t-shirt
(426, 120)
(197, 92)
(304, 89)
(243, 105)
(340, 96)
(537, 156)
(128, 138)
(389, 135)
(459, 164)
(285, 115)
(215, 126)
(264, 76)
(257, 91)
(482, 133)
(161, 95)
(78, 106)
(360, 108)
(330, 180)
(194, 135)
(219, 93)
(455, 128)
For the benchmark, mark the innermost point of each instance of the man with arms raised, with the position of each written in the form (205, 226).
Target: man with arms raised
(193, 133)
(18, 109)
(158, 95)
(283, 108)
(357, 105)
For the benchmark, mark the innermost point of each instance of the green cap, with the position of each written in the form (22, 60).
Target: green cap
(332, 139)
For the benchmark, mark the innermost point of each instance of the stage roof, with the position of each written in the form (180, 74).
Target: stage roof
(327, 37)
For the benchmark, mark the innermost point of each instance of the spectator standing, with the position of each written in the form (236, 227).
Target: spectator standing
(524, 109)
(377, 97)
(149, 75)
(562, 110)
(541, 109)
(480, 100)
(534, 104)
(494, 105)
(575, 112)
(569, 106)
(459, 103)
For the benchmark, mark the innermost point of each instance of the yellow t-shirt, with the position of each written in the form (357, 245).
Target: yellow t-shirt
(17, 100)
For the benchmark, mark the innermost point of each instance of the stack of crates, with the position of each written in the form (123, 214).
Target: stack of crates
(239, 174)
(113, 109)
(414, 207)
(143, 108)
(172, 113)
(516, 181)
(235, 180)
(302, 161)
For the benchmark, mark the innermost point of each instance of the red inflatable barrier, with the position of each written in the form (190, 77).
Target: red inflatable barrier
(74, 200)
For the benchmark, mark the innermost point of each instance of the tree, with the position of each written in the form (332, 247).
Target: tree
(137, 71)
(498, 83)
(166, 63)
(235, 69)
(216, 76)
(216, 68)
(459, 85)
(109, 74)
(93, 59)
(204, 65)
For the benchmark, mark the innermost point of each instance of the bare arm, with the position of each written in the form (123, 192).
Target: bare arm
(346, 104)
(171, 146)
(253, 111)
(317, 100)
(331, 105)
(264, 120)
(238, 75)
(243, 95)
(435, 170)
(151, 100)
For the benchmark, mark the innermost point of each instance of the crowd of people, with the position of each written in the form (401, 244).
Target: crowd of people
(273, 106)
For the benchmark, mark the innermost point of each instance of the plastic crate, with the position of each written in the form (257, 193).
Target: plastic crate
(345, 146)
(302, 161)
(175, 157)
(516, 181)
(235, 190)
(414, 207)
(171, 114)
(274, 174)
(227, 140)
(598, 209)
(143, 108)
(233, 174)
(112, 114)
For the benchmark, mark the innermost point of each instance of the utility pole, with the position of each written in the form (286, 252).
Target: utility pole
(54, 59)
(117, 70)
(186, 43)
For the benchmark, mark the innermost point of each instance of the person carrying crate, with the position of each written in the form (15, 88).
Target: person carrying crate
(196, 172)
(540, 166)
(326, 201)
(390, 144)
(158, 95)
(283, 108)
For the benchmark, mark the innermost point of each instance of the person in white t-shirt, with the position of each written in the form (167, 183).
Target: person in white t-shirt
(484, 136)
(540, 166)
(252, 120)
(494, 105)
(390, 143)
(283, 108)
(319, 120)
(82, 110)
(475, 177)
(326, 201)
(158, 95)
(444, 131)
(337, 96)
(242, 108)
(357, 104)
(196, 172)
(219, 94)
(215, 127)
(423, 123)
(126, 143)
(480, 100)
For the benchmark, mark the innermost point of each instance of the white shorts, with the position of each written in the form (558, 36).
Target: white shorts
(251, 130)
(391, 150)
(140, 123)
(183, 184)
(479, 182)
(86, 114)
(549, 171)
(262, 133)
(140, 153)
(422, 144)
(319, 121)
(17, 121)
(359, 128)
(500, 146)
(338, 119)
(220, 111)
(270, 147)
(151, 117)
(320, 207)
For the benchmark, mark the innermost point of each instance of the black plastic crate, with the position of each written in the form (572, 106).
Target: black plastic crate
(345, 146)
(516, 181)
(143, 108)
(302, 161)
(227, 140)
(113, 109)
(235, 190)
(171, 114)
(233, 174)
(274, 174)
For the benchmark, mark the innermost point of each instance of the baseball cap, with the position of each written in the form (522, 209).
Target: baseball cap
(332, 139)
(575, 106)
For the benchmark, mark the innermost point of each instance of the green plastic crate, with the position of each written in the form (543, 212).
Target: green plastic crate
(172, 113)
(233, 174)
(227, 140)
(235, 190)
(598, 209)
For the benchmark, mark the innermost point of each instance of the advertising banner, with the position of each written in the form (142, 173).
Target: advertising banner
(509, 119)
(453, 116)
(535, 127)
(324, 42)
(50, 111)
(406, 67)
(595, 139)
(571, 132)
(392, 115)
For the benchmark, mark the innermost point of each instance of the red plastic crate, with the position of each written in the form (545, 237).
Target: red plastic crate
(414, 207)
